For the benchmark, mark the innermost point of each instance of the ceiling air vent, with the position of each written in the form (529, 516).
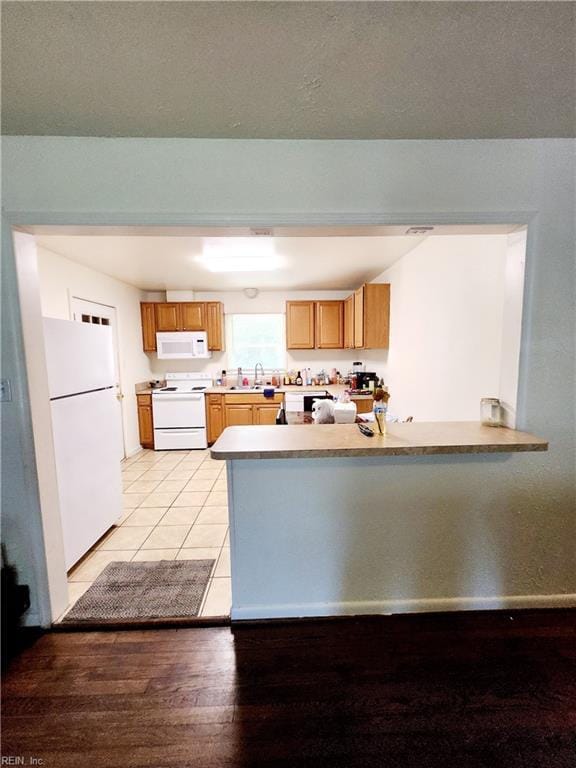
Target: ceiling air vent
(261, 232)
(419, 230)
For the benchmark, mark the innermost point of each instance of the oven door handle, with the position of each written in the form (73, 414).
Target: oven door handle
(172, 398)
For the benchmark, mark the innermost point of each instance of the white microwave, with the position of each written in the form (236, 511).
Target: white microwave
(182, 345)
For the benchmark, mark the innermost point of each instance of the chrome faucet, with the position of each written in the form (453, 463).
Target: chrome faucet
(258, 382)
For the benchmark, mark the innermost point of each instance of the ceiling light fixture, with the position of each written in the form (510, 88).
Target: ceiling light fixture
(239, 254)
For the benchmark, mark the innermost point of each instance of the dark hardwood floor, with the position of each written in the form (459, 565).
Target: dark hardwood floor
(465, 690)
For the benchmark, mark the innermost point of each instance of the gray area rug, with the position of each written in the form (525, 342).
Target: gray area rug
(146, 590)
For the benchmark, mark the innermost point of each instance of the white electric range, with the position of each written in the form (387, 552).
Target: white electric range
(179, 412)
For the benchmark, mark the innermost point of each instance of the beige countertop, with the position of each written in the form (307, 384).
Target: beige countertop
(337, 440)
(333, 389)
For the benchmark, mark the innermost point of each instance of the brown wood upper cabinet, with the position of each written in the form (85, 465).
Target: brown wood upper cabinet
(183, 316)
(359, 318)
(167, 317)
(300, 324)
(215, 325)
(315, 324)
(349, 322)
(372, 316)
(362, 321)
(148, 326)
(193, 316)
(329, 324)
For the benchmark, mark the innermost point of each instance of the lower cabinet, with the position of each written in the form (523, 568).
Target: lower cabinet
(145, 420)
(239, 410)
(363, 404)
(237, 415)
(214, 417)
(264, 414)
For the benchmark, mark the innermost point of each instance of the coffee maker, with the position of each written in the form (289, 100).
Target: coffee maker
(363, 379)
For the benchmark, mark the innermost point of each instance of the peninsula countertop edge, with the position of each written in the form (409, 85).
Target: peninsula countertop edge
(341, 440)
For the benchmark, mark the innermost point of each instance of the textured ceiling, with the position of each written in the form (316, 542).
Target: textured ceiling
(167, 260)
(307, 263)
(365, 70)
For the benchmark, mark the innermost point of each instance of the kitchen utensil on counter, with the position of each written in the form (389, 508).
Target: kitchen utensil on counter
(156, 384)
(490, 412)
(366, 431)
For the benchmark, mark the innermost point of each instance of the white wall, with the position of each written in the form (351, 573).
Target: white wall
(447, 303)
(344, 535)
(514, 277)
(273, 302)
(265, 183)
(62, 279)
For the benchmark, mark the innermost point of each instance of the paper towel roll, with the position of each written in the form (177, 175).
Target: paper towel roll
(344, 413)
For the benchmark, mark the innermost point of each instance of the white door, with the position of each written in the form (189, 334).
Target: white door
(84, 311)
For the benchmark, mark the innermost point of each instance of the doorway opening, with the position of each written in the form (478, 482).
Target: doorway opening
(455, 335)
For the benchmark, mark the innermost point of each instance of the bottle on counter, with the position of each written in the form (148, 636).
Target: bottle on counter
(223, 378)
(380, 408)
(299, 380)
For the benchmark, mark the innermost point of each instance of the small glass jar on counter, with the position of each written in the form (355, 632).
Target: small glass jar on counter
(490, 412)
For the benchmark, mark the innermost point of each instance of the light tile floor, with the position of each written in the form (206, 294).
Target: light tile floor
(175, 508)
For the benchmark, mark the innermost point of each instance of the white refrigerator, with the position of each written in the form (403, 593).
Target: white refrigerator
(86, 425)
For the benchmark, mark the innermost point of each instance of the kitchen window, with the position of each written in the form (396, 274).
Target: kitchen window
(255, 339)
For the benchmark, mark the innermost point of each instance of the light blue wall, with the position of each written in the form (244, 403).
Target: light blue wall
(179, 181)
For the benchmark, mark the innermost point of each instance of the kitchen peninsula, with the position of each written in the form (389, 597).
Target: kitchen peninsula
(327, 522)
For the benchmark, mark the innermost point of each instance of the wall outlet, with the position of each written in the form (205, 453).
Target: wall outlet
(5, 391)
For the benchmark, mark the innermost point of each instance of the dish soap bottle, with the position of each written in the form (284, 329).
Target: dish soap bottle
(380, 409)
